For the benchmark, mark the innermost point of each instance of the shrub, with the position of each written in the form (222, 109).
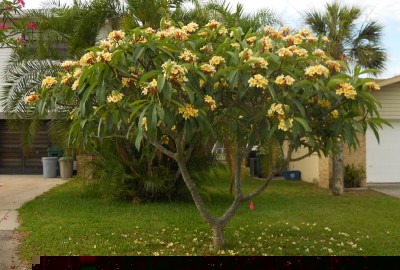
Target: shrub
(353, 176)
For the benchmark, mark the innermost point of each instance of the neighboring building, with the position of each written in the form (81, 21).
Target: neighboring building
(12, 158)
(380, 160)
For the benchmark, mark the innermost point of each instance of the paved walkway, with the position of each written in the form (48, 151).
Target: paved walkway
(14, 192)
(391, 189)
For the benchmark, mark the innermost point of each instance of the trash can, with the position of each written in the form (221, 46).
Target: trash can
(292, 175)
(49, 167)
(253, 167)
(55, 152)
(66, 167)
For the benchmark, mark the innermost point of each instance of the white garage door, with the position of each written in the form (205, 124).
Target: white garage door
(383, 159)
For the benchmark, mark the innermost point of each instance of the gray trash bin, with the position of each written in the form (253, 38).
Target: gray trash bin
(49, 167)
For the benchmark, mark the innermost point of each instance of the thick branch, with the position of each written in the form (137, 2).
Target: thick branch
(227, 216)
(158, 146)
(190, 184)
(302, 157)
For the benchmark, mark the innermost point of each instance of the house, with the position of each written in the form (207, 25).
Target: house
(13, 160)
(380, 160)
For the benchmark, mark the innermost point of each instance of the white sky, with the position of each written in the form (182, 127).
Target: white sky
(386, 12)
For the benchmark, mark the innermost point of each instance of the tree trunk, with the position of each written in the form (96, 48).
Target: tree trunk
(338, 172)
(218, 236)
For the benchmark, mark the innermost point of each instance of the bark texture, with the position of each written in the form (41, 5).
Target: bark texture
(338, 172)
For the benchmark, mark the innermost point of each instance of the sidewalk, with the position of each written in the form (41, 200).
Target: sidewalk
(15, 190)
(391, 189)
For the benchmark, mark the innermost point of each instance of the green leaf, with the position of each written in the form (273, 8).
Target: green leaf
(299, 106)
(189, 92)
(235, 57)
(160, 112)
(233, 77)
(242, 91)
(138, 139)
(369, 70)
(167, 91)
(160, 83)
(145, 77)
(272, 92)
(302, 122)
(137, 53)
(154, 118)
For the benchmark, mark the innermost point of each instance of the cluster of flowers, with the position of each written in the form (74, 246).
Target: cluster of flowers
(179, 34)
(210, 101)
(284, 80)
(174, 72)
(114, 97)
(188, 56)
(278, 110)
(150, 88)
(258, 81)
(347, 90)
(189, 111)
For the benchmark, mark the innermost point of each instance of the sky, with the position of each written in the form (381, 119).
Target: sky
(386, 12)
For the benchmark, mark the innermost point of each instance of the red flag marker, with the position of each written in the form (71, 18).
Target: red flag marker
(251, 205)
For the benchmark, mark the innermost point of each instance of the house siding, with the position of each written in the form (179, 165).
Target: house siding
(389, 97)
(4, 55)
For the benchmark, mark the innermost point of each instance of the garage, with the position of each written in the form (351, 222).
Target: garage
(383, 159)
(12, 158)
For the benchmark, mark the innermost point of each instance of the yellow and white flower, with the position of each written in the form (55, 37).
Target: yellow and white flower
(188, 111)
(216, 60)
(258, 81)
(114, 97)
(284, 80)
(49, 82)
(347, 90)
(317, 70)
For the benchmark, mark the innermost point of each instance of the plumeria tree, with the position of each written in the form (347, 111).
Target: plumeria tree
(354, 41)
(172, 87)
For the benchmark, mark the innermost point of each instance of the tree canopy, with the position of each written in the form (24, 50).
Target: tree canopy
(168, 88)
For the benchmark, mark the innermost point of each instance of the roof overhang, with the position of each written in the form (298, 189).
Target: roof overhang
(389, 81)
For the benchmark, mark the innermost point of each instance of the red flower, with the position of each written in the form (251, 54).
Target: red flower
(32, 25)
(3, 26)
(22, 2)
(251, 205)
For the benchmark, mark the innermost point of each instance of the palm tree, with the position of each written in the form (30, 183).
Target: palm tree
(351, 39)
(354, 41)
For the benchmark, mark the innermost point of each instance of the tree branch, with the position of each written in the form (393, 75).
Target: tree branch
(303, 156)
(158, 146)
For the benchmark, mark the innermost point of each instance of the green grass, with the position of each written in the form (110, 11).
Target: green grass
(290, 218)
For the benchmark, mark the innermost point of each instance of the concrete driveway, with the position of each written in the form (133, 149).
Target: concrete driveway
(14, 192)
(391, 189)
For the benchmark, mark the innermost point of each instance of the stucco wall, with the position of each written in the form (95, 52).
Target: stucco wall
(307, 166)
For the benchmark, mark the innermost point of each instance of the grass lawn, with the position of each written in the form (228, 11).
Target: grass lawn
(289, 218)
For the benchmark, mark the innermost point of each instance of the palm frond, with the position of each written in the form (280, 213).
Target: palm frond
(24, 77)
